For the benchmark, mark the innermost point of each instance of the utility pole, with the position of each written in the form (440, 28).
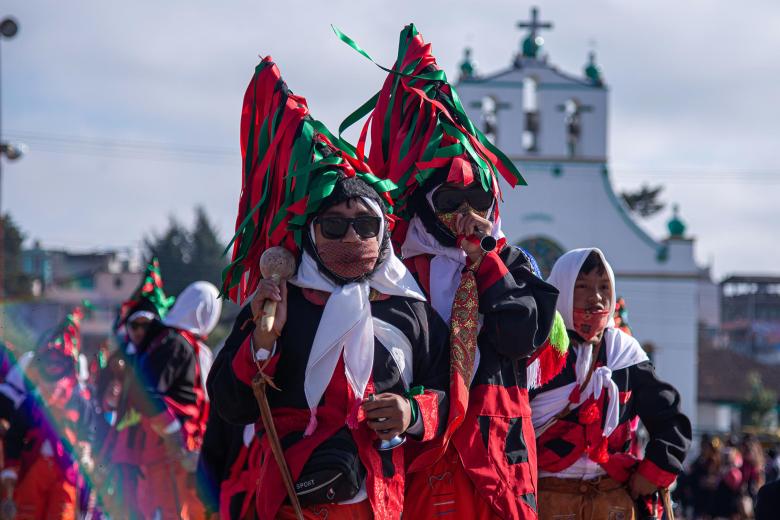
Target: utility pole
(8, 29)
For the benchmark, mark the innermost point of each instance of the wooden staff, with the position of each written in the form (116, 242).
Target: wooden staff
(259, 383)
(667, 500)
(277, 264)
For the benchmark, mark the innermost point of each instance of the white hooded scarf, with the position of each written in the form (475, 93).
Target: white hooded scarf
(197, 311)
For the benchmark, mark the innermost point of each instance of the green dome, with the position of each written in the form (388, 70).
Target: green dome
(466, 66)
(531, 45)
(592, 71)
(675, 225)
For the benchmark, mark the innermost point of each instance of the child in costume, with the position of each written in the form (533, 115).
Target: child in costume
(583, 416)
(355, 354)
(50, 434)
(499, 312)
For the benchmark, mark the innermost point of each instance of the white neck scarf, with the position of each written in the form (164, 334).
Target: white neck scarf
(621, 349)
(347, 328)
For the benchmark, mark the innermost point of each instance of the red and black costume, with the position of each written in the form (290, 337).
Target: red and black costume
(499, 312)
(495, 444)
(585, 416)
(641, 394)
(42, 444)
(232, 397)
(380, 334)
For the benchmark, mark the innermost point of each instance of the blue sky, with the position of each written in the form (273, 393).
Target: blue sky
(95, 87)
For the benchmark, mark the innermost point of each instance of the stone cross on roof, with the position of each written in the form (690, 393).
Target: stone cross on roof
(534, 24)
(532, 43)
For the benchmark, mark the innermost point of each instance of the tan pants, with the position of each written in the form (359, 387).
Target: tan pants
(572, 499)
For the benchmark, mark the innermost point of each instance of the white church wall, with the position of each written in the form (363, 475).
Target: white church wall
(709, 301)
(507, 91)
(552, 128)
(662, 313)
(717, 417)
(576, 209)
(569, 201)
(553, 90)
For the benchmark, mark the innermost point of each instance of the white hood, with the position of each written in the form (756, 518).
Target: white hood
(196, 310)
(564, 274)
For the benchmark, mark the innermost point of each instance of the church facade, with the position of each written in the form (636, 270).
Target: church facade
(553, 125)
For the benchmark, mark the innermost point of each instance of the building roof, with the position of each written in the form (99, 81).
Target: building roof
(723, 375)
(751, 278)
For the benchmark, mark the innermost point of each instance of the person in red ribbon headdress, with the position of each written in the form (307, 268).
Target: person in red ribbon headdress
(583, 417)
(355, 355)
(500, 313)
(48, 443)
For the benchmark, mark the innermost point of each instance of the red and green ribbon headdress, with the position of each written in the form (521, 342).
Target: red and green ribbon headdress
(149, 295)
(418, 126)
(291, 163)
(66, 338)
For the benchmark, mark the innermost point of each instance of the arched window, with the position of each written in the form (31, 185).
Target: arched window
(544, 250)
(490, 118)
(531, 112)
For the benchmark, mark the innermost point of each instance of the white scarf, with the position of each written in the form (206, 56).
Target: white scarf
(622, 351)
(346, 328)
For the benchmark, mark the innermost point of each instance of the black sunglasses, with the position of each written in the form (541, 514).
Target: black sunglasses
(333, 228)
(446, 200)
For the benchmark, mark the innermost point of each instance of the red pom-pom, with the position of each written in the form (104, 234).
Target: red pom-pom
(589, 412)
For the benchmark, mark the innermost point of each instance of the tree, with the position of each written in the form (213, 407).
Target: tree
(644, 201)
(759, 402)
(16, 284)
(207, 248)
(188, 255)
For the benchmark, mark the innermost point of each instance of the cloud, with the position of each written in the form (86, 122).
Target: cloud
(692, 87)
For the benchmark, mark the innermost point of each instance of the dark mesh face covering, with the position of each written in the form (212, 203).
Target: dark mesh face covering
(349, 259)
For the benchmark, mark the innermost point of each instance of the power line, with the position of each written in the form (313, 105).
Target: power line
(179, 152)
(133, 144)
(127, 148)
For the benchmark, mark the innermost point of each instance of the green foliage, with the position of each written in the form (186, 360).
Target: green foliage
(644, 201)
(186, 255)
(16, 283)
(759, 402)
